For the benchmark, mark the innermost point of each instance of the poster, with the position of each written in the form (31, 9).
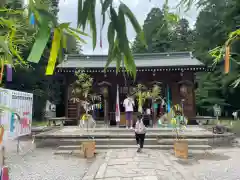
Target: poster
(18, 121)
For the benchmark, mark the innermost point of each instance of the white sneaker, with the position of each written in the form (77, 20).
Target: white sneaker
(131, 128)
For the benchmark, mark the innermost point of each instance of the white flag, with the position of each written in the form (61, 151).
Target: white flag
(117, 107)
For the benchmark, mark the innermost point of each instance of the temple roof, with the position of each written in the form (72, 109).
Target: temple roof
(147, 60)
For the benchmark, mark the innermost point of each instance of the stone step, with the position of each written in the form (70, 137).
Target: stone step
(149, 129)
(163, 147)
(190, 141)
(107, 141)
(131, 134)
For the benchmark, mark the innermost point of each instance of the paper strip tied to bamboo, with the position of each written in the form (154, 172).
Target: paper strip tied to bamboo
(54, 52)
(227, 59)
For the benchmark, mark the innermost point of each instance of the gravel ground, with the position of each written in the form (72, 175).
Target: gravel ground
(42, 164)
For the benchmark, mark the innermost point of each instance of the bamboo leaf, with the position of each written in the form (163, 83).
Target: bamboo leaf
(80, 9)
(75, 35)
(114, 17)
(47, 16)
(111, 35)
(92, 20)
(39, 44)
(78, 31)
(118, 59)
(61, 48)
(85, 12)
(131, 17)
(112, 53)
(106, 5)
(64, 41)
(13, 48)
(134, 22)
(4, 45)
(54, 52)
(64, 25)
(103, 15)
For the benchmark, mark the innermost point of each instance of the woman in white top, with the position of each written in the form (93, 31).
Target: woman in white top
(128, 104)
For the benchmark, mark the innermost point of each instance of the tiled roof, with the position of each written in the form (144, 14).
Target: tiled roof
(181, 59)
(176, 61)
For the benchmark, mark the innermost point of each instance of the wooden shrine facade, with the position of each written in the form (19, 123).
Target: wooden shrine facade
(173, 70)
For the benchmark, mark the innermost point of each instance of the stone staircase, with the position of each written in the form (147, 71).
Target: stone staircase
(117, 138)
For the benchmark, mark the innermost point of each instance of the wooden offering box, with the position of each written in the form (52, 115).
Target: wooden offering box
(181, 148)
(88, 148)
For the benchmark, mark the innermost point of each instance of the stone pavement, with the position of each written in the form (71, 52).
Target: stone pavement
(42, 164)
(124, 164)
(127, 164)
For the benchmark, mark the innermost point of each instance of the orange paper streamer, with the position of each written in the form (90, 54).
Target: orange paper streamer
(227, 59)
(1, 133)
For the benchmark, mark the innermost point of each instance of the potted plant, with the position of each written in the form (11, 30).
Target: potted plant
(179, 124)
(140, 94)
(81, 90)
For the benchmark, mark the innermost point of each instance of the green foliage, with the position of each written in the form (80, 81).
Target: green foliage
(164, 32)
(82, 86)
(13, 35)
(117, 37)
(215, 27)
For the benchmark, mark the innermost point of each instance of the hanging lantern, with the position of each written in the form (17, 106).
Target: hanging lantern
(183, 89)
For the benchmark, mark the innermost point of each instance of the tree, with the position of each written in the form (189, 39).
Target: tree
(182, 37)
(210, 91)
(162, 37)
(214, 23)
(156, 33)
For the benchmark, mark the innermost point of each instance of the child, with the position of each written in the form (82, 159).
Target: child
(140, 131)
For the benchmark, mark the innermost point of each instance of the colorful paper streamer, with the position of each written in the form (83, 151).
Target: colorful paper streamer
(9, 73)
(54, 52)
(32, 19)
(227, 59)
(168, 99)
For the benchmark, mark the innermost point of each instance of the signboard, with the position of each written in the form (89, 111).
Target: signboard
(21, 103)
(217, 110)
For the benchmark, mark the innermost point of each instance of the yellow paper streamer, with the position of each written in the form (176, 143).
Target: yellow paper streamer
(54, 52)
(2, 69)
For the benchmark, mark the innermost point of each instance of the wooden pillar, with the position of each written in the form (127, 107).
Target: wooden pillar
(105, 92)
(186, 89)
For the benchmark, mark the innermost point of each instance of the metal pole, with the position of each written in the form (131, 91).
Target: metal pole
(18, 145)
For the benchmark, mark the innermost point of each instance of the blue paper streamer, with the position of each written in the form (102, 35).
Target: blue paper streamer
(168, 99)
(12, 127)
(32, 19)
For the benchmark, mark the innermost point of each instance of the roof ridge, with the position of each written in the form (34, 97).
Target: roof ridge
(183, 53)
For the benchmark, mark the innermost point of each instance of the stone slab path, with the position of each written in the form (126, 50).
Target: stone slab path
(127, 164)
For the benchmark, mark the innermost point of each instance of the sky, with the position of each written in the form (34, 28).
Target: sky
(140, 8)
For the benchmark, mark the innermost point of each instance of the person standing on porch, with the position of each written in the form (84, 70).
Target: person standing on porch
(128, 104)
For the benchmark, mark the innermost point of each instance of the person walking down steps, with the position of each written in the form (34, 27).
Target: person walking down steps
(140, 131)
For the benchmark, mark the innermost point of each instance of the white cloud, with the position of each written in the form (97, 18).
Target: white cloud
(68, 13)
